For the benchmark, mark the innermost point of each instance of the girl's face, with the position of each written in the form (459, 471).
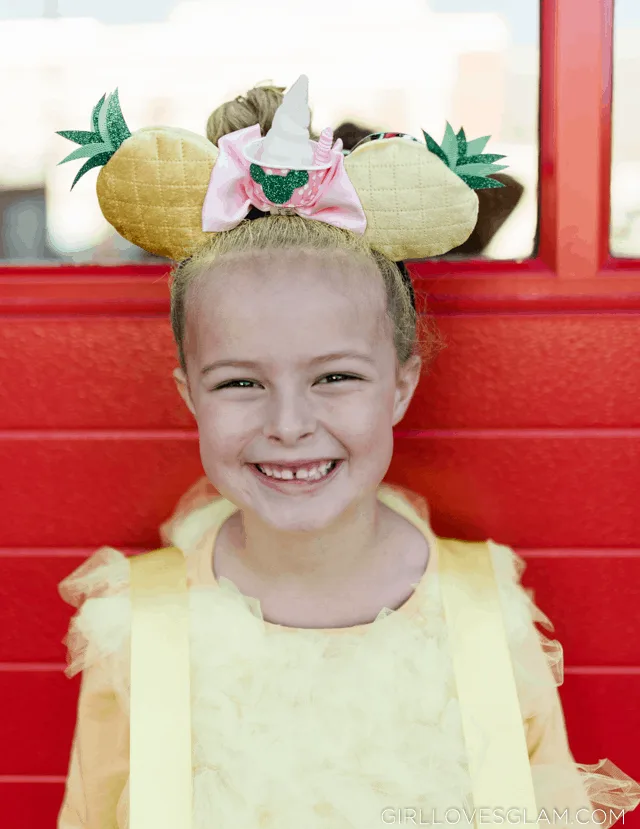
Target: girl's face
(290, 360)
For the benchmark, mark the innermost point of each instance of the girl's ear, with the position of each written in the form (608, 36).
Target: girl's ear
(406, 384)
(182, 385)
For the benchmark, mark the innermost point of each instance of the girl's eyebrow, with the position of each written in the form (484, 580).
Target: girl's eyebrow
(324, 358)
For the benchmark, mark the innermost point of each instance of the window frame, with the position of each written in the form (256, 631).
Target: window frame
(572, 269)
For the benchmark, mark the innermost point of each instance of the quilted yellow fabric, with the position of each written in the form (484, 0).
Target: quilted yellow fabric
(416, 207)
(153, 188)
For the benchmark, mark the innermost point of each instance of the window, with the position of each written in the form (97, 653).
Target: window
(625, 166)
(404, 66)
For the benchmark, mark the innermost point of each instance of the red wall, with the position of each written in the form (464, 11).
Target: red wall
(526, 431)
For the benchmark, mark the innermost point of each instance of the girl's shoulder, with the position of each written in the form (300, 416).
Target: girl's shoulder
(99, 589)
(537, 658)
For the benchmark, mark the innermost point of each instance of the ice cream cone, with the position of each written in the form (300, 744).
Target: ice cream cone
(287, 143)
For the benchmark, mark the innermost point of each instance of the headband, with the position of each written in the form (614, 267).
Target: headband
(167, 190)
(254, 213)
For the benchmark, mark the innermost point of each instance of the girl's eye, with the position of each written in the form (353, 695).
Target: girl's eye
(245, 384)
(234, 384)
(339, 376)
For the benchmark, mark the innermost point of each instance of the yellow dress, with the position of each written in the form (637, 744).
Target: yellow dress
(343, 728)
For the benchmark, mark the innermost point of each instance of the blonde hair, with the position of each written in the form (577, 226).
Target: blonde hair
(292, 232)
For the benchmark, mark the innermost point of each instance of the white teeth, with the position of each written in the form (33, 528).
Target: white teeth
(312, 473)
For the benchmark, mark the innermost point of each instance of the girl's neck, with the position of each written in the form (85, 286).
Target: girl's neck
(251, 550)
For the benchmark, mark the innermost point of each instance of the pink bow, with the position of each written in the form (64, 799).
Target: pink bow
(329, 196)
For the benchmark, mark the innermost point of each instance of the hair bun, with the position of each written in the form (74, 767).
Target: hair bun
(257, 106)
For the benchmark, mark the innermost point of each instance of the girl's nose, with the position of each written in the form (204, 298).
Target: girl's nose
(290, 417)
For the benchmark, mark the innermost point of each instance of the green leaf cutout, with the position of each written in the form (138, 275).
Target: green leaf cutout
(97, 161)
(465, 158)
(99, 145)
(80, 136)
(88, 151)
(435, 148)
(479, 169)
(116, 127)
(102, 122)
(94, 114)
(487, 158)
(450, 145)
(480, 182)
(462, 143)
(477, 145)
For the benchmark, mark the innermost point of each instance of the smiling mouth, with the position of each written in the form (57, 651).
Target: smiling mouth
(300, 476)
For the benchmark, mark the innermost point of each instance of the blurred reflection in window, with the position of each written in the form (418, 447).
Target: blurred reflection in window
(405, 66)
(625, 168)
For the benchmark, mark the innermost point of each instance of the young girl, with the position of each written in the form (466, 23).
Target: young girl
(305, 652)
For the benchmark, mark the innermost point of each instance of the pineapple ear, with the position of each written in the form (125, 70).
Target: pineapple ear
(416, 206)
(153, 183)
(153, 189)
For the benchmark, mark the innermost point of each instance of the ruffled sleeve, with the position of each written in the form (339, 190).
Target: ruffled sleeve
(98, 645)
(99, 590)
(191, 517)
(560, 782)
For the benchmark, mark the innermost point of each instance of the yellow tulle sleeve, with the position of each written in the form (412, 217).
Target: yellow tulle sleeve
(591, 795)
(98, 646)
(98, 772)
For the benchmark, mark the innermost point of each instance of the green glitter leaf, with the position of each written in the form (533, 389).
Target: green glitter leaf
(465, 158)
(97, 161)
(116, 126)
(88, 151)
(479, 169)
(450, 145)
(80, 136)
(99, 145)
(480, 182)
(461, 139)
(102, 122)
(477, 145)
(488, 158)
(94, 115)
(435, 148)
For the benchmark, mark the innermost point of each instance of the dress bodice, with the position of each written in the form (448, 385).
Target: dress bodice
(331, 728)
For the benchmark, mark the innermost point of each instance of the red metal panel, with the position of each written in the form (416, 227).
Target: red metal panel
(89, 373)
(48, 700)
(27, 804)
(498, 370)
(542, 488)
(604, 699)
(535, 489)
(602, 716)
(535, 371)
(90, 489)
(591, 596)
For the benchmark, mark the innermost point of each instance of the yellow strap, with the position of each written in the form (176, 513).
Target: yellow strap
(160, 730)
(491, 717)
